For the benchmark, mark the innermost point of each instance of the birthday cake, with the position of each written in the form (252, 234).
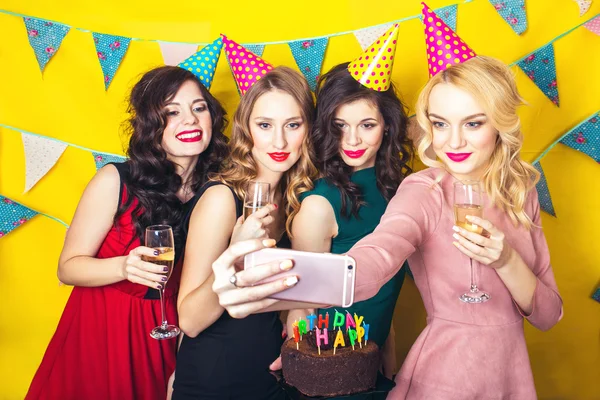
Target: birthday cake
(336, 362)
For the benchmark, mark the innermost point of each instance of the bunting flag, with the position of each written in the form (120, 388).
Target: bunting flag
(257, 49)
(596, 295)
(40, 156)
(585, 138)
(174, 53)
(543, 191)
(13, 215)
(101, 159)
(593, 25)
(541, 69)
(45, 38)
(110, 50)
(448, 15)
(513, 12)
(584, 6)
(309, 58)
(366, 37)
(204, 62)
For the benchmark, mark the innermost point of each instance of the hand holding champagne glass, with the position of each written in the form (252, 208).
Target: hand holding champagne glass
(257, 213)
(160, 238)
(257, 196)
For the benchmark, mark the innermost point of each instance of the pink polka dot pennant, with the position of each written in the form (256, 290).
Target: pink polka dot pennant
(246, 66)
(444, 47)
(373, 68)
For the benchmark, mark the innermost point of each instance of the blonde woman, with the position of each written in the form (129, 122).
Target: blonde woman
(467, 351)
(221, 357)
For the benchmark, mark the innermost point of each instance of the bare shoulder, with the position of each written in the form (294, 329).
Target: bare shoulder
(316, 206)
(217, 201)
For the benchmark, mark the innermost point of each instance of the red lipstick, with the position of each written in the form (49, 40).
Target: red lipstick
(194, 135)
(458, 157)
(355, 154)
(279, 156)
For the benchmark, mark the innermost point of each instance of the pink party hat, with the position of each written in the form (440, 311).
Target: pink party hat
(246, 66)
(444, 47)
(374, 67)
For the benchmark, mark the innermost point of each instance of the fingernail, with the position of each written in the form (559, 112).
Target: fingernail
(155, 252)
(290, 281)
(269, 242)
(275, 205)
(469, 217)
(455, 228)
(285, 265)
(164, 279)
(159, 287)
(455, 236)
(166, 269)
(455, 244)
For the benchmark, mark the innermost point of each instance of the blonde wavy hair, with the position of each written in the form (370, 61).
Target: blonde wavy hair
(241, 167)
(507, 178)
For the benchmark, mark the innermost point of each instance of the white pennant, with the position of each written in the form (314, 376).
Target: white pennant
(367, 36)
(584, 6)
(40, 156)
(174, 53)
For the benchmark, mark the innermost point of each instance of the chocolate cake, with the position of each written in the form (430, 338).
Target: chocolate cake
(345, 372)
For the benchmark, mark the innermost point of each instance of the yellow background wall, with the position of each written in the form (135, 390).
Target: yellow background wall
(69, 103)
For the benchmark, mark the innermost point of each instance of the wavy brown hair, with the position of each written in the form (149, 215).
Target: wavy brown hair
(241, 167)
(507, 179)
(152, 178)
(336, 88)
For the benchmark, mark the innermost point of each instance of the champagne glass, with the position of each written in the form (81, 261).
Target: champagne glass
(160, 237)
(468, 201)
(257, 196)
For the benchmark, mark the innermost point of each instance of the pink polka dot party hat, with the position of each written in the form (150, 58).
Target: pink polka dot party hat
(444, 47)
(246, 66)
(373, 68)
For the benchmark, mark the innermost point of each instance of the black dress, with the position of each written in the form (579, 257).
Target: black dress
(230, 359)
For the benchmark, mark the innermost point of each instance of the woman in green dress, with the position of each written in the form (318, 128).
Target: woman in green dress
(362, 153)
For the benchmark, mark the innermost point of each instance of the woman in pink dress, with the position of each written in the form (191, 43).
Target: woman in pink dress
(467, 351)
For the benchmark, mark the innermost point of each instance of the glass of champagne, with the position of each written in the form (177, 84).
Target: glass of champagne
(468, 201)
(160, 237)
(258, 195)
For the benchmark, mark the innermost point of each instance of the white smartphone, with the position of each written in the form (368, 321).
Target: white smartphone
(323, 278)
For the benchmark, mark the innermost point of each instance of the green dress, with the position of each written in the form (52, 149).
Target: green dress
(378, 310)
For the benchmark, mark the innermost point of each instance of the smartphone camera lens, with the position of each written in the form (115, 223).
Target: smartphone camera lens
(350, 267)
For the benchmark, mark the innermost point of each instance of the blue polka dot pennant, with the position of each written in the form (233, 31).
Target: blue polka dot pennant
(309, 58)
(110, 50)
(45, 38)
(203, 63)
(257, 49)
(513, 12)
(539, 66)
(585, 138)
(101, 159)
(544, 192)
(13, 215)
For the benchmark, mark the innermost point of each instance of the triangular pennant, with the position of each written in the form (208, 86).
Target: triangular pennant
(513, 12)
(448, 15)
(45, 38)
(596, 295)
(40, 156)
(541, 69)
(593, 25)
(13, 215)
(309, 58)
(204, 62)
(257, 49)
(174, 53)
(367, 36)
(584, 6)
(585, 138)
(543, 191)
(110, 50)
(101, 159)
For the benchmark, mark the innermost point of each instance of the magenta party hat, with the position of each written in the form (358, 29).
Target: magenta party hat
(246, 66)
(374, 67)
(444, 47)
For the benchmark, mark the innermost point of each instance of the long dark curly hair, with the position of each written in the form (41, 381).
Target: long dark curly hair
(336, 88)
(152, 178)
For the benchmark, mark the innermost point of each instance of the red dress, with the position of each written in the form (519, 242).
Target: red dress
(102, 348)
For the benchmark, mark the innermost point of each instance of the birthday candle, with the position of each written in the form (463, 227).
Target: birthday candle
(366, 332)
(358, 320)
(338, 320)
(360, 331)
(296, 335)
(302, 328)
(339, 340)
(323, 321)
(349, 321)
(311, 321)
(321, 338)
(352, 336)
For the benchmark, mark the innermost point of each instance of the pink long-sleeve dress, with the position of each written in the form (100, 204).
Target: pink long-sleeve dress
(466, 351)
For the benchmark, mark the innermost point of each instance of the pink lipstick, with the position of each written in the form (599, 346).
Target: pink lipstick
(458, 157)
(355, 154)
(190, 136)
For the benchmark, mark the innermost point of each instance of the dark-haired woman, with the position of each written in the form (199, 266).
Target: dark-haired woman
(102, 348)
(362, 151)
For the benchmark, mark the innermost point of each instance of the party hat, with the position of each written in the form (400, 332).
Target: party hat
(374, 67)
(444, 47)
(246, 66)
(204, 62)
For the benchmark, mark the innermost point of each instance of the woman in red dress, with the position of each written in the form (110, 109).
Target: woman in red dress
(102, 348)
